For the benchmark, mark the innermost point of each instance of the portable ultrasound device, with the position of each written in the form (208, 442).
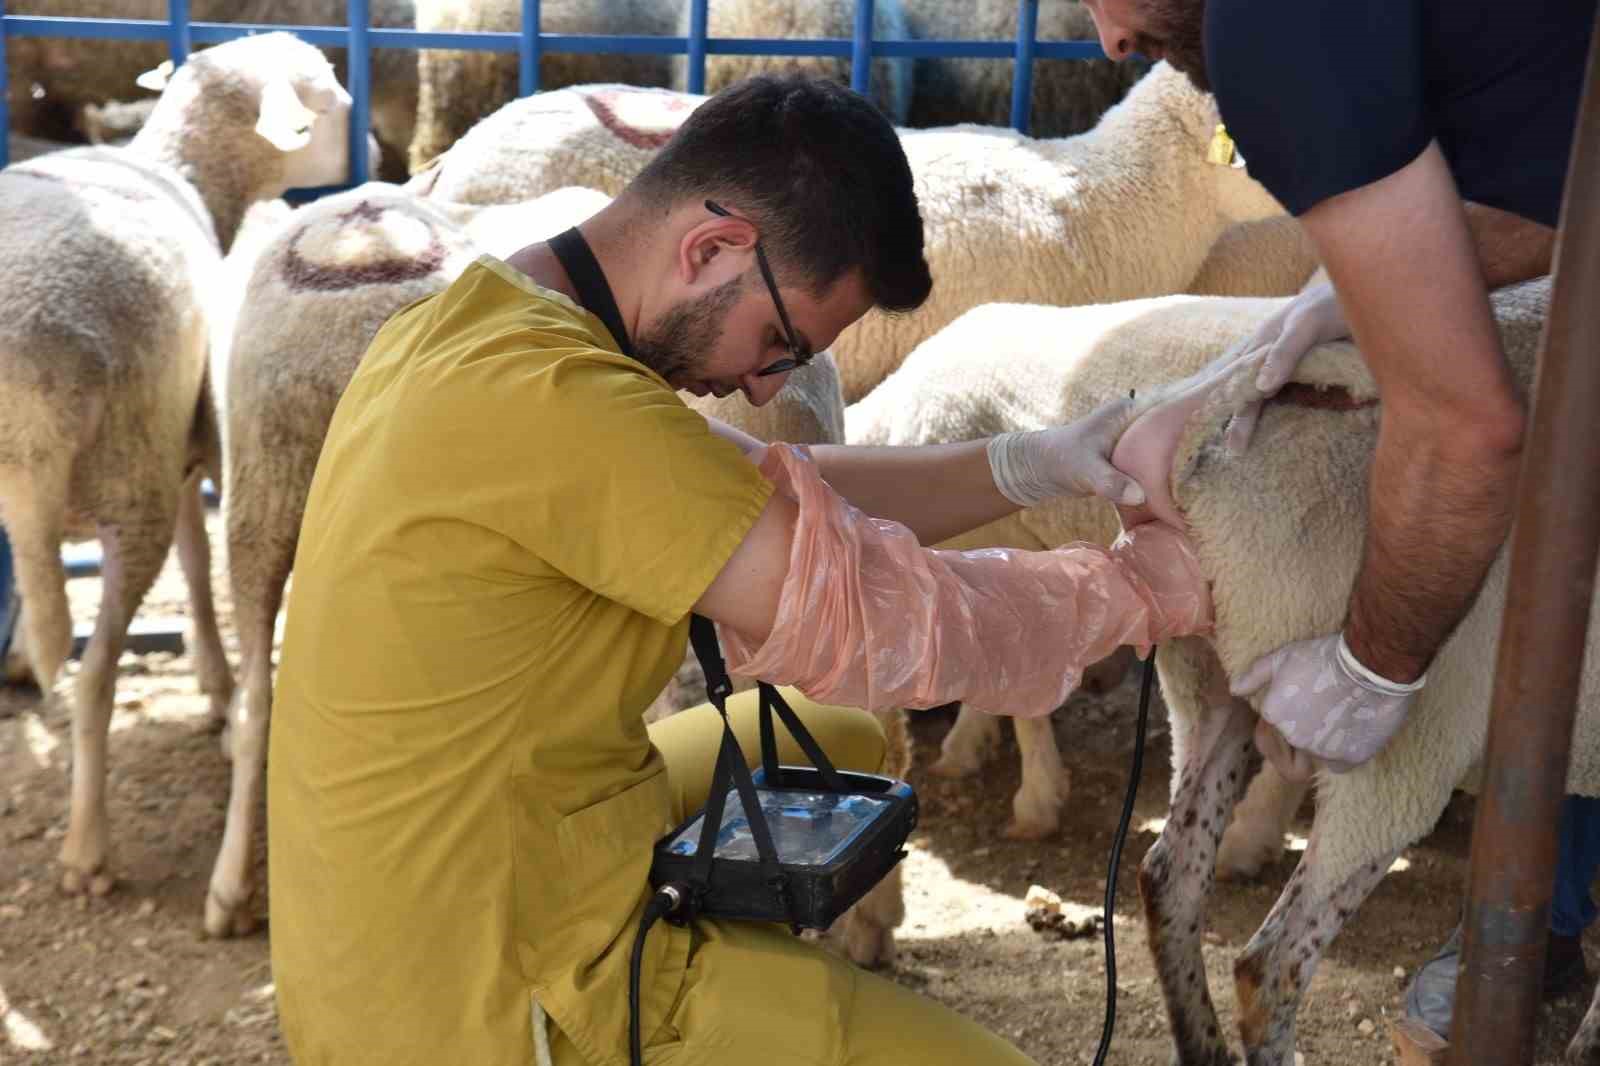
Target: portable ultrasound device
(795, 844)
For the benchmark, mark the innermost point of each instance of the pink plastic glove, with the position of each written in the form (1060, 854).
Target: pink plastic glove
(870, 618)
(1324, 702)
(1276, 347)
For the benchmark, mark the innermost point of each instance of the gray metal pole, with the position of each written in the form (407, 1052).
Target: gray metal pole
(1542, 641)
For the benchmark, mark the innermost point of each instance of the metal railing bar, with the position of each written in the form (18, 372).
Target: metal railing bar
(358, 15)
(861, 49)
(530, 46)
(1022, 74)
(695, 45)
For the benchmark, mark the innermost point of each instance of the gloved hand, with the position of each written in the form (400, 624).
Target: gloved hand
(1072, 460)
(1323, 701)
(1276, 347)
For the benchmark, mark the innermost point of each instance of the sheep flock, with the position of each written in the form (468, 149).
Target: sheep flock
(167, 317)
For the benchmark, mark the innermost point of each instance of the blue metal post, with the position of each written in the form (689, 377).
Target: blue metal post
(359, 17)
(529, 51)
(5, 89)
(1022, 75)
(179, 41)
(861, 51)
(697, 46)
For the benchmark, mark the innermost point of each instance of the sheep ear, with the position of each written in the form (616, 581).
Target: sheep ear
(284, 120)
(156, 80)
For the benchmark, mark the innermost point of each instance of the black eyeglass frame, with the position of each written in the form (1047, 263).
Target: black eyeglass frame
(798, 356)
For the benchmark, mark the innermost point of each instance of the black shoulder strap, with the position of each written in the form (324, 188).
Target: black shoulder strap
(577, 258)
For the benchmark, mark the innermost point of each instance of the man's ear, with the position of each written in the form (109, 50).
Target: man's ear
(705, 246)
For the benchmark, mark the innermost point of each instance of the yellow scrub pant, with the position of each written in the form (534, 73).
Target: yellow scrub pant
(754, 993)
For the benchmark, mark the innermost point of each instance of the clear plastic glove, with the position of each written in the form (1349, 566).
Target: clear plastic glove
(1072, 460)
(1323, 701)
(869, 618)
(1276, 347)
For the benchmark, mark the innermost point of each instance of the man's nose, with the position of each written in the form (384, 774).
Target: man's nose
(758, 389)
(1115, 40)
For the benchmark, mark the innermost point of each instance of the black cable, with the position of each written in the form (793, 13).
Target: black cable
(1116, 859)
(664, 902)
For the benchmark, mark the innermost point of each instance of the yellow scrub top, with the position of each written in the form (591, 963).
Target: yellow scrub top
(509, 524)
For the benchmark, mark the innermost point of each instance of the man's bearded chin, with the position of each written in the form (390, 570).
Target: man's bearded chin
(678, 343)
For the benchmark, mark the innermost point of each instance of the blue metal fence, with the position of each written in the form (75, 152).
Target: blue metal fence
(181, 35)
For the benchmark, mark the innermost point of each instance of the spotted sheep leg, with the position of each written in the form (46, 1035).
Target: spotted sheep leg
(1213, 754)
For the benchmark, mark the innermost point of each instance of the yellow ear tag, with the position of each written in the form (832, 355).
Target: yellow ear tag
(1220, 151)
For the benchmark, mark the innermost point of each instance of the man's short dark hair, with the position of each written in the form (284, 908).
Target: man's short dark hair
(820, 172)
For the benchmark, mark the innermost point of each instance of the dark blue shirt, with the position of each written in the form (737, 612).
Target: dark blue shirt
(1324, 96)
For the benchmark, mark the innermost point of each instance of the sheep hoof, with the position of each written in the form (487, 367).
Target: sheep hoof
(1031, 829)
(952, 769)
(225, 919)
(867, 945)
(96, 882)
(17, 671)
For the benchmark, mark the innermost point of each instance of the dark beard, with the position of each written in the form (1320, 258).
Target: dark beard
(1177, 30)
(678, 342)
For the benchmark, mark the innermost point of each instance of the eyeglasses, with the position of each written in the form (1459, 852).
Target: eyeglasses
(798, 355)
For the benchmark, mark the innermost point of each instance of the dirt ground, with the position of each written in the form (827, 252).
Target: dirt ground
(130, 979)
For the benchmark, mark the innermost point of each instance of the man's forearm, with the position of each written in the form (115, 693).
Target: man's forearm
(1510, 248)
(1409, 595)
(1437, 521)
(935, 490)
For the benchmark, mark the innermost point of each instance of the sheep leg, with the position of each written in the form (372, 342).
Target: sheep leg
(194, 554)
(33, 505)
(1177, 874)
(969, 741)
(866, 930)
(1255, 837)
(1280, 959)
(1036, 807)
(132, 554)
(1585, 1047)
(259, 561)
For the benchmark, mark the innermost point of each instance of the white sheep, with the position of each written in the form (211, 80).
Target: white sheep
(891, 84)
(456, 88)
(1129, 209)
(53, 79)
(1069, 95)
(107, 256)
(1294, 504)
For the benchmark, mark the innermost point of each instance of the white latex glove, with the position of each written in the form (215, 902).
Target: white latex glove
(1324, 702)
(1276, 347)
(1072, 460)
